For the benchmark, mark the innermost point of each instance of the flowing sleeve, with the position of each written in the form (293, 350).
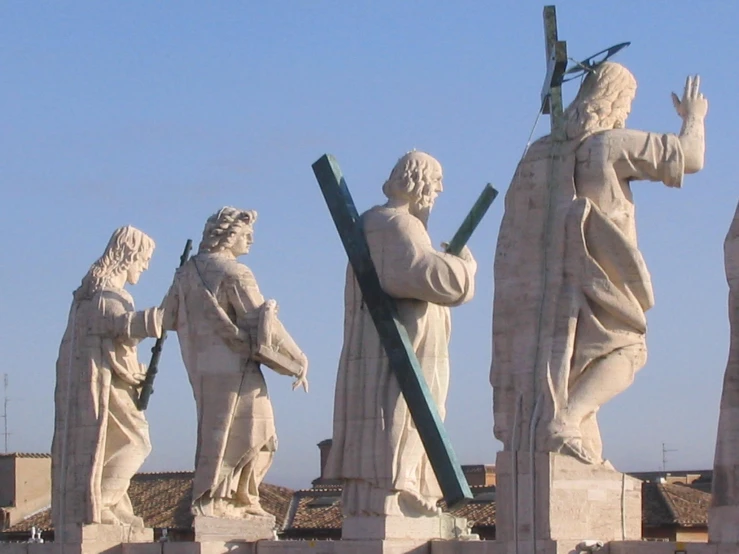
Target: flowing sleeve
(408, 265)
(170, 306)
(243, 296)
(641, 156)
(120, 321)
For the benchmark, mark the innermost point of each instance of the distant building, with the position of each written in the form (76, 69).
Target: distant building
(25, 486)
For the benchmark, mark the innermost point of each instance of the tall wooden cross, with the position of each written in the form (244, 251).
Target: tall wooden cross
(393, 336)
(551, 99)
(551, 92)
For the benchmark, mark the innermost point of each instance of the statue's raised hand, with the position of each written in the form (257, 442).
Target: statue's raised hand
(693, 103)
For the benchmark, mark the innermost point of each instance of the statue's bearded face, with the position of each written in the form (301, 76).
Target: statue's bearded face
(137, 267)
(431, 188)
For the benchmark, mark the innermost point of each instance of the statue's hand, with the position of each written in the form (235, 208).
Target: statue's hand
(466, 255)
(133, 379)
(302, 380)
(693, 103)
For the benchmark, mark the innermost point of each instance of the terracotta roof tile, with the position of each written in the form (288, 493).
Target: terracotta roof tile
(317, 509)
(674, 504)
(163, 501)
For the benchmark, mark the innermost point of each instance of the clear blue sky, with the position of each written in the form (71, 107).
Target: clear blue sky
(157, 114)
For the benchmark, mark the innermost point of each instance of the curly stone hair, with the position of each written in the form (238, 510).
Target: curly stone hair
(603, 101)
(223, 228)
(126, 245)
(408, 179)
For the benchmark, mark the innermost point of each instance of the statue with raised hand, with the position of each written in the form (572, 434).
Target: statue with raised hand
(571, 286)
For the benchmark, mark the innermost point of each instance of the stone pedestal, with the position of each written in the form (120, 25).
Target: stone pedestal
(99, 532)
(443, 526)
(396, 546)
(249, 529)
(562, 499)
(723, 525)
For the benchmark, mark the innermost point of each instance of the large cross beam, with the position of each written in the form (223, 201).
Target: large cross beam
(551, 92)
(551, 98)
(393, 336)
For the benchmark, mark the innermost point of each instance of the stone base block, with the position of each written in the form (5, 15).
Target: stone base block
(249, 529)
(564, 500)
(654, 547)
(570, 547)
(100, 532)
(723, 524)
(443, 526)
(211, 547)
(506, 547)
(397, 546)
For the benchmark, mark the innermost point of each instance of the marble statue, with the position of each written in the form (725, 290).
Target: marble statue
(226, 329)
(376, 450)
(723, 520)
(100, 437)
(571, 287)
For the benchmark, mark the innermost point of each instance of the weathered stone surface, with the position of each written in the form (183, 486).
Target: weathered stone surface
(100, 437)
(102, 533)
(220, 316)
(247, 529)
(345, 547)
(443, 526)
(571, 287)
(573, 501)
(723, 518)
(377, 451)
(641, 547)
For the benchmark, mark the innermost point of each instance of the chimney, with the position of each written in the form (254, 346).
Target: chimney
(25, 485)
(479, 475)
(325, 447)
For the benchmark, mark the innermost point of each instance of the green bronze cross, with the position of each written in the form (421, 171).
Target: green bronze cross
(393, 336)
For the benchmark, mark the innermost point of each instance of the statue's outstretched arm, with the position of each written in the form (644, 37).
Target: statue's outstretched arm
(692, 108)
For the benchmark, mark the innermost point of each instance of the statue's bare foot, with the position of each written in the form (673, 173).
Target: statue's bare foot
(254, 510)
(129, 519)
(572, 446)
(202, 507)
(109, 518)
(416, 504)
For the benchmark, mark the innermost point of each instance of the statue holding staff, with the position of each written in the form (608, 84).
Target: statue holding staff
(226, 329)
(100, 437)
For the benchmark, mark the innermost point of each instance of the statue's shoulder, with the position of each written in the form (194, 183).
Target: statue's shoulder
(234, 270)
(215, 262)
(114, 294)
(611, 138)
(382, 218)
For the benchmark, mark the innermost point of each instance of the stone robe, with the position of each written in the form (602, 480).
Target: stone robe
(100, 437)
(213, 305)
(581, 285)
(724, 516)
(376, 448)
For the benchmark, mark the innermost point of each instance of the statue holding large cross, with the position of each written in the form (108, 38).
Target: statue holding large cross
(571, 286)
(389, 446)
